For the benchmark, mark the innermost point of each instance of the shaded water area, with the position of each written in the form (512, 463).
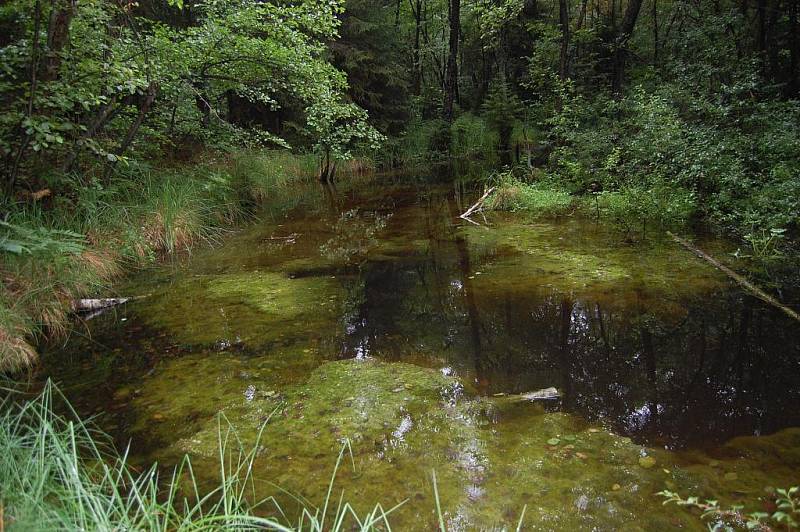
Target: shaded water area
(374, 314)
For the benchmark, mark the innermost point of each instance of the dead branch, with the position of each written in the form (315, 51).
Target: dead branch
(750, 287)
(478, 205)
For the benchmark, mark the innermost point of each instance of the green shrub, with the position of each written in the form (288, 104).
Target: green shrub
(514, 195)
(635, 209)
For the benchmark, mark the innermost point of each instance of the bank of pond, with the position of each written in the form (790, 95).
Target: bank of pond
(372, 318)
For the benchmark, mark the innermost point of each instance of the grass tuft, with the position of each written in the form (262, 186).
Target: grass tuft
(58, 473)
(82, 242)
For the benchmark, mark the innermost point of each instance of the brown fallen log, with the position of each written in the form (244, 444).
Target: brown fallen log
(744, 283)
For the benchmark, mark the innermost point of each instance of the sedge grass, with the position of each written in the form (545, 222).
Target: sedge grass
(85, 239)
(58, 473)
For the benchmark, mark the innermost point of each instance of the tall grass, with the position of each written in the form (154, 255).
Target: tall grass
(534, 200)
(57, 473)
(92, 232)
(472, 138)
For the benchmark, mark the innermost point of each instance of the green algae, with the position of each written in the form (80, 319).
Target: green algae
(578, 258)
(492, 458)
(264, 316)
(249, 308)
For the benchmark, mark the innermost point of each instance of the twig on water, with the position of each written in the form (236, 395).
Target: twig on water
(478, 206)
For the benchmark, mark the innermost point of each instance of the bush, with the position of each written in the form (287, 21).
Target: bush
(517, 196)
(634, 209)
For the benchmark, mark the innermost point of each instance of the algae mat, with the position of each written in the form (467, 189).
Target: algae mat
(492, 456)
(375, 318)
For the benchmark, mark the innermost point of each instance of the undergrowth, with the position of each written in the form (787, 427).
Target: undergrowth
(58, 473)
(73, 244)
(512, 194)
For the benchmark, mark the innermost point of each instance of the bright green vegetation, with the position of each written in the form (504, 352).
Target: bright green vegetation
(210, 134)
(58, 473)
(786, 513)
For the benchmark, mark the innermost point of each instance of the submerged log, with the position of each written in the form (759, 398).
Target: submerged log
(544, 394)
(744, 283)
(89, 305)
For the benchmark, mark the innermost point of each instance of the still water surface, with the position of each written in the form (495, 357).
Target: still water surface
(374, 314)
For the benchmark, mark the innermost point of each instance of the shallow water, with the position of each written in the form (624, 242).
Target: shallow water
(374, 315)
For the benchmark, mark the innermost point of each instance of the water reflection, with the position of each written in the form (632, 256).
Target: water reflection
(693, 370)
(660, 350)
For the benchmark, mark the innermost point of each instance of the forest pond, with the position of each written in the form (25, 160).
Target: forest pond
(373, 314)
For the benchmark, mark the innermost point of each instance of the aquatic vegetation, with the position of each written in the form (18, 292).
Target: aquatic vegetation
(403, 352)
(786, 512)
(248, 308)
(576, 257)
(58, 473)
(355, 234)
(404, 420)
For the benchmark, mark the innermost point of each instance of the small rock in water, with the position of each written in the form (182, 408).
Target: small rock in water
(400, 389)
(646, 462)
(616, 487)
(582, 503)
(250, 393)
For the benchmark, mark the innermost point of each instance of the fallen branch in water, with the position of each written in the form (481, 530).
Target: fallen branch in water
(88, 305)
(750, 287)
(478, 205)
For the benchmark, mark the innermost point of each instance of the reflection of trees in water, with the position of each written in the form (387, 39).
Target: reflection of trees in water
(708, 377)
(712, 372)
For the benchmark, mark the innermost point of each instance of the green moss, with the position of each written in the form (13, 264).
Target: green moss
(253, 308)
(492, 456)
(586, 260)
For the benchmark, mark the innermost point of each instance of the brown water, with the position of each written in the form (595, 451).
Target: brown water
(374, 315)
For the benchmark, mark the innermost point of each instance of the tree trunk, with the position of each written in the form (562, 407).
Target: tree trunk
(624, 35)
(57, 36)
(794, 49)
(563, 20)
(451, 71)
(655, 31)
(416, 74)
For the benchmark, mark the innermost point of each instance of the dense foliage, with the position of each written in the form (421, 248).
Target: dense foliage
(105, 81)
(656, 113)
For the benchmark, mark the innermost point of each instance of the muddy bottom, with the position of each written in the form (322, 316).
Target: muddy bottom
(373, 315)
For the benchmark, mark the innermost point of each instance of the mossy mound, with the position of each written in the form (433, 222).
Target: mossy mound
(273, 293)
(404, 421)
(253, 309)
(578, 258)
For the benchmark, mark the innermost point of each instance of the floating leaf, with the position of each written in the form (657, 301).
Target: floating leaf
(553, 441)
